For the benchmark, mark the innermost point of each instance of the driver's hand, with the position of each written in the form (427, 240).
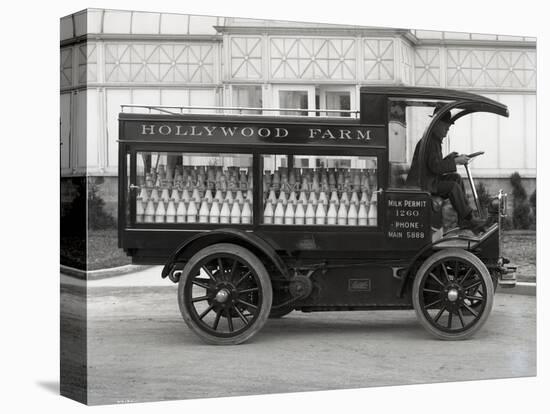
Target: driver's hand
(461, 159)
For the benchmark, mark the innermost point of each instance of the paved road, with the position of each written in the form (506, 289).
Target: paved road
(139, 349)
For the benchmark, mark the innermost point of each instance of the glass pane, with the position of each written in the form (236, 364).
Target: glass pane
(248, 97)
(194, 188)
(320, 190)
(293, 100)
(338, 100)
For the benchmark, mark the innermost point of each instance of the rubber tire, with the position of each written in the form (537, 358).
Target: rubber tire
(482, 269)
(279, 313)
(265, 286)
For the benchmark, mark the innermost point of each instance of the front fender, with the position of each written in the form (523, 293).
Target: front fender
(227, 235)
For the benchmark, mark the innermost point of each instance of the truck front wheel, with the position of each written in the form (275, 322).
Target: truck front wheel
(453, 294)
(225, 294)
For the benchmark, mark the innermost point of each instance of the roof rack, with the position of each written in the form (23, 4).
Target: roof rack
(240, 110)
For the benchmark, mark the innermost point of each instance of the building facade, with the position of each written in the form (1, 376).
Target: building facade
(112, 57)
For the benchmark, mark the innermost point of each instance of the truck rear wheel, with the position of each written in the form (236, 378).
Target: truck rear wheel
(225, 294)
(453, 294)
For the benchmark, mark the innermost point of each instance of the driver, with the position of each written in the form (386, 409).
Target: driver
(439, 174)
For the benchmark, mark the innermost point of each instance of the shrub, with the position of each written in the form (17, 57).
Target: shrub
(483, 196)
(507, 223)
(533, 202)
(98, 218)
(521, 217)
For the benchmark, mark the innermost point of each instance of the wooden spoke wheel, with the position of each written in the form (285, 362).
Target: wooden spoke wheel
(225, 294)
(453, 294)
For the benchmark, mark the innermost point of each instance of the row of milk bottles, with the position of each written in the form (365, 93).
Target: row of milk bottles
(171, 207)
(350, 212)
(200, 177)
(320, 179)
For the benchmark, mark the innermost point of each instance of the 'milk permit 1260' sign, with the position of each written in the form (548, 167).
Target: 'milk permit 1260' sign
(205, 132)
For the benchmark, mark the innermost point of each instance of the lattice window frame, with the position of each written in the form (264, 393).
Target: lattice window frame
(160, 63)
(491, 69)
(427, 66)
(379, 60)
(313, 58)
(87, 63)
(246, 56)
(66, 67)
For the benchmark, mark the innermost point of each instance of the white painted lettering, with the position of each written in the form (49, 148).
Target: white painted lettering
(363, 135)
(328, 135)
(264, 132)
(165, 130)
(345, 133)
(228, 130)
(247, 132)
(280, 131)
(178, 130)
(395, 234)
(194, 131)
(210, 130)
(313, 132)
(147, 129)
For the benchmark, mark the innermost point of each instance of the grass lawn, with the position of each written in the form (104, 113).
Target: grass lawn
(103, 251)
(518, 246)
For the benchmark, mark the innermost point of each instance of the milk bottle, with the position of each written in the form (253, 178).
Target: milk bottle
(235, 213)
(292, 198)
(225, 213)
(204, 212)
(154, 195)
(362, 214)
(320, 214)
(303, 197)
(272, 197)
(185, 196)
(246, 214)
(139, 210)
(160, 213)
(143, 194)
(299, 214)
(181, 212)
(239, 197)
(268, 212)
(149, 216)
(332, 214)
(171, 212)
(289, 214)
(175, 195)
(342, 214)
(352, 214)
(282, 197)
(164, 195)
(372, 214)
(310, 214)
(279, 213)
(215, 211)
(323, 198)
(312, 198)
(192, 212)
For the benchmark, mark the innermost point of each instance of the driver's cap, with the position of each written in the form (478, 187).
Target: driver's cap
(446, 116)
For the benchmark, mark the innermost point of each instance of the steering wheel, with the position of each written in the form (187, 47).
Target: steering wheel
(475, 154)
